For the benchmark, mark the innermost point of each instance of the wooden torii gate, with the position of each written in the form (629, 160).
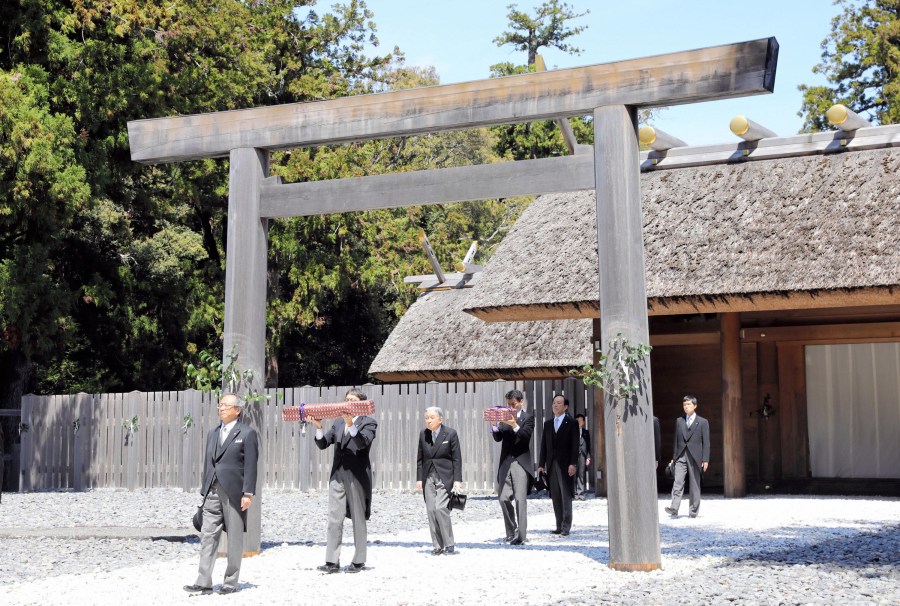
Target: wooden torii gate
(611, 93)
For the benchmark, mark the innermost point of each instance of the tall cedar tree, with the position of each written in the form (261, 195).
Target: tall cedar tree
(111, 273)
(861, 61)
(546, 28)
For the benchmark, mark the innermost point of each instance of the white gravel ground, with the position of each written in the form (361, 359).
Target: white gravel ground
(758, 550)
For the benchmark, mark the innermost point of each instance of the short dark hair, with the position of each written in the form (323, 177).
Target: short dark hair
(690, 399)
(580, 416)
(355, 392)
(515, 394)
(565, 399)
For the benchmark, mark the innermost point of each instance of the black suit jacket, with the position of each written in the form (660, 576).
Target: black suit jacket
(584, 440)
(559, 448)
(352, 453)
(444, 457)
(233, 463)
(693, 439)
(515, 446)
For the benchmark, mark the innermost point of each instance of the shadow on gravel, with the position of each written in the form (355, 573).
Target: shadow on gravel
(591, 542)
(296, 543)
(870, 546)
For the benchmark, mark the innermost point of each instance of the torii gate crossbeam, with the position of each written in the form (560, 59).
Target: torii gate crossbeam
(610, 92)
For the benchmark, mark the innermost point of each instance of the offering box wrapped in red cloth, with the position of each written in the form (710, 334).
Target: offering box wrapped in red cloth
(495, 414)
(305, 412)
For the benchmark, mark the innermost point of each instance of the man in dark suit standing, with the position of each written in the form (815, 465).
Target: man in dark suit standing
(690, 455)
(229, 483)
(559, 455)
(438, 472)
(350, 487)
(516, 470)
(584, 458)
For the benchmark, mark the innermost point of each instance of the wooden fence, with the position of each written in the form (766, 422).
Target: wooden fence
(155, 439)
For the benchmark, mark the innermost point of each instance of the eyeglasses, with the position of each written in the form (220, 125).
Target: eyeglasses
(220, 405)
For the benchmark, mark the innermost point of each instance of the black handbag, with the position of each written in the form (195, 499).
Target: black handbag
(198, 515)
(541, 482)
(457, 501)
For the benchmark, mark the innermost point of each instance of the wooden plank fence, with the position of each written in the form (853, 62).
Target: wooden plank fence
(155, 439)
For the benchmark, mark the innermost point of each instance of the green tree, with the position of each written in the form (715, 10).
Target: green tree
(42, 189)
(336, 281)
(547, 28)
(137, 265)
(861, 62)
(111, 273)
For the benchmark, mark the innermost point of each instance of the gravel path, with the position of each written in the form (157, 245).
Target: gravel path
(758, 550)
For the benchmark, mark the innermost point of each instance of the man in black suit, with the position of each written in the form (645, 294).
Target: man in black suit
(350, 487)
(690, 455)
(516, 470)
(559, 455)
(229, 483)
(584, 458)
(439, 471)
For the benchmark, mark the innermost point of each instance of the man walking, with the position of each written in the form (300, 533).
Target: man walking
(516, 470)
(438, 474)
(584, 458)
(350, 487)
(229, 483)
(559, 455)
(690, 455)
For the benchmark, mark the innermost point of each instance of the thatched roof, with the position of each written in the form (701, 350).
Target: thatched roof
(436, 340)
(792, 232)
(814, 231)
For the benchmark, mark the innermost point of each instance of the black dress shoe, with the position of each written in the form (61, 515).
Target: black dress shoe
(672, 512)
(516, 541)
(565, 533)
(557, 531)
(693, 515)
(227, 590)
(329, 567)
(437, 551)
(197, 589)
(451, 550)
(354, 567)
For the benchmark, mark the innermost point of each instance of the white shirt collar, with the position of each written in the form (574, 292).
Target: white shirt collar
(228, 427)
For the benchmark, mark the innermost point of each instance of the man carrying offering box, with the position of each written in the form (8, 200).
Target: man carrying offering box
(516, 470)
(350, 487)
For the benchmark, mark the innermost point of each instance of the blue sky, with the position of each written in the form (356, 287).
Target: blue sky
(455, 36)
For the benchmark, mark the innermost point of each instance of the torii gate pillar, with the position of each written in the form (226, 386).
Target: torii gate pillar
(630, 461)
(245, 294)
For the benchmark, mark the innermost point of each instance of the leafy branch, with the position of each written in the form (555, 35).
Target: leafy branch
(212, 372)
(131, 425)
(617, 372)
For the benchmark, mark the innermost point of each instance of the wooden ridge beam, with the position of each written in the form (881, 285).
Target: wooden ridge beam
(718, 72)
(479, 182)
(875, 137)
